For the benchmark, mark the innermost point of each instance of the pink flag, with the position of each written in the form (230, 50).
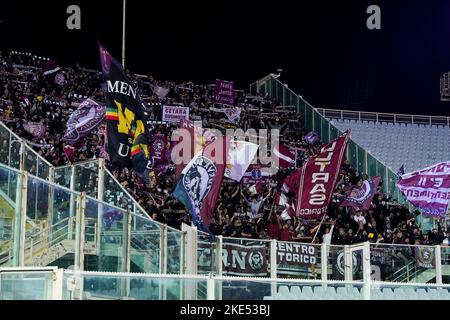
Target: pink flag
(428, 189)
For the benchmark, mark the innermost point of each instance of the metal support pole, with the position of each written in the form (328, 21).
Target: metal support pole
(324, 261)
(73, 201)
(273, 265)
(20, 220)
(210, 287)
(273, 259)
(219, 259)
(123, 32)
(57, 285)
(438, 258)
(80, 232)
(163, 250)
(100, 192)
(366, 271)
(347, 264)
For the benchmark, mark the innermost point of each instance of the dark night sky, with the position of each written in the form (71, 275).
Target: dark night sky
(324, 47)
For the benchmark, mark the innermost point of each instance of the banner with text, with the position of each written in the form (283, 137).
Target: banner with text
(428, 189)
(175, 113)
(293, 258)
(224, 92)
(314, 183)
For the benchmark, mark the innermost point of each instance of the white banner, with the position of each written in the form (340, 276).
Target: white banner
(240, 155)
(175, 113)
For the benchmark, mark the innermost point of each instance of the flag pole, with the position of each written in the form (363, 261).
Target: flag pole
(318, 228)
(123, 33)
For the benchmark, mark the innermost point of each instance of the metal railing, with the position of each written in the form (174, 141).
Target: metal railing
(384, 117)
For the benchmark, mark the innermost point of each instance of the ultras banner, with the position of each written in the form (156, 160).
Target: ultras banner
(428, 189)
(314, 183)
(126, 119)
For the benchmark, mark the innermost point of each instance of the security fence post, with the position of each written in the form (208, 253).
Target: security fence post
(366, 271)
(437, 256)
(324, 261)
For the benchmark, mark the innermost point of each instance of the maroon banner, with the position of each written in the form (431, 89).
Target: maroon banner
(158, 148)
(224, 92)
(36, 129)
(294, 257)
(244, 260)
(314, 183)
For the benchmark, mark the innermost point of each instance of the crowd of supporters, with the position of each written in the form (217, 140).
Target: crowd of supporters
(29, 95)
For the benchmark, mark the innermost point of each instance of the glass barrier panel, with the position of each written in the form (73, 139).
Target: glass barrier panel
(245, 257)
(115, 195)
(5, 144)
(325, 136)
(145, 245)
(371, 165)
(298, 260)
(445, 262)
(381, 171)
(336, 263)
(334, 132)
(111, 255)
(135, 287)
(317, 123)
(62, 176)
(30, 161)
(308, 118)
(86, 178)
(43, 169)
(391, 184)
(279, 92)
(14, 153)
(9, 182)
(26, 285)
(402, 263)
(353, 154)
(174, 251)
(50, 215)
(361, 159)
(206, 254)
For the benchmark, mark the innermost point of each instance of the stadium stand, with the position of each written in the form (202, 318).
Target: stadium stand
(418, 145)
(61, 183)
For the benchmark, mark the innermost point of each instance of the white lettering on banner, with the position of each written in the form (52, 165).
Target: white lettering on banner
(125, 88)
(318, 192)
(175, 113)
(291, 255)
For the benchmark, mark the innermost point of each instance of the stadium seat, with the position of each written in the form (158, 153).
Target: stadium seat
(296, 292)
(307, 293)
(284, 292)
(388, 294)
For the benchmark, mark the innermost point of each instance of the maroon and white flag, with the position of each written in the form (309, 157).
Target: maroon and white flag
(314, 183)
(283, 156)
(36, 129)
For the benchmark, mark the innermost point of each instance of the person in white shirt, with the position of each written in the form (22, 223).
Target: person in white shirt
(359, 217)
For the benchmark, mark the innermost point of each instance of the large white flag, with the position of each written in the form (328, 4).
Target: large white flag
(240, 155)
